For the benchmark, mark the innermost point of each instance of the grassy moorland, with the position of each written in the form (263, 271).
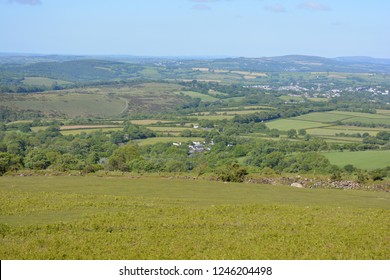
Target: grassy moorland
(70, 104)
(156, 218)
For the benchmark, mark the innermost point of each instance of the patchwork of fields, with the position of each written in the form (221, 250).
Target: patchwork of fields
(157, 218)
(328, 124)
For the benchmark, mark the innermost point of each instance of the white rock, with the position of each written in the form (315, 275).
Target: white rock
(296, 185)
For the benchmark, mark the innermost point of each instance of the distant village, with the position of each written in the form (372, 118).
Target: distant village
(318, 92)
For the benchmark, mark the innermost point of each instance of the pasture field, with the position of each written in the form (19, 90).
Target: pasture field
(203, 97)
(323, 117)
(289, 98)
(360, 115)
(148, 122)
(151, 73)
(251, 107)
(38, 128)
(318, 99)
(214, 93)
(367, 160)
(235, 99)
(286, 124)
(333, 130)
(375, 121)
(156, 218)
(341, 140)
(219, 77)
(169, 128)
(383, 112)
(230, 112)
(334, 116)
(149, 89)
(246, 73)
(90, 130)
(213, 117)
(97, 126)
(171, 139)
(41, 81)
(240, 112)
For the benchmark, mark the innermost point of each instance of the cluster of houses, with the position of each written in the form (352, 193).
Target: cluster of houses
(196, 147)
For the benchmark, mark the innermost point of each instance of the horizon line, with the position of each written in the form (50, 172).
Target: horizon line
(5, 53)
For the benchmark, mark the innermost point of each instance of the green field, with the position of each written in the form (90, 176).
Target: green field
(364, 159)
(69, 104)
(41, 81)
(323, 117)
(203, 97)
(157, 218)
(169, 128)
(332, 130)
(374, 121)
(323, 124)
(360, 115)
(286, 124)
(383, 112)
(151, 141)
(155, 89)
(333, 116)
(289, 98)
(213, 117)
(89, 130)
(148, 122)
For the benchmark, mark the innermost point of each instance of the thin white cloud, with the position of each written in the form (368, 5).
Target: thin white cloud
(275, 8)
(204, 5)
(209, 1)
(26, 2)
(314, 6)
(204, 1)
(201, 7)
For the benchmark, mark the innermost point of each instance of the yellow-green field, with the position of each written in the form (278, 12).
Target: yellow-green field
(89, 130)
(169, 128)
(366, 160)
(148, 122)
(286, 124)
(41, 81)
(203, 97)
(213, 117)
(159, 218)
(171, 139)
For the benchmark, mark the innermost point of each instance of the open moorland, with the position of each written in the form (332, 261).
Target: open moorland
(160, 218)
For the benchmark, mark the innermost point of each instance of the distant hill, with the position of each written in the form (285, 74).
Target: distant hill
(363, 59)
(299, 63)
(74, 70)
(14, 68)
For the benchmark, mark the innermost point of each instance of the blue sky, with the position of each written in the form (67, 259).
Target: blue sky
(251, 28)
